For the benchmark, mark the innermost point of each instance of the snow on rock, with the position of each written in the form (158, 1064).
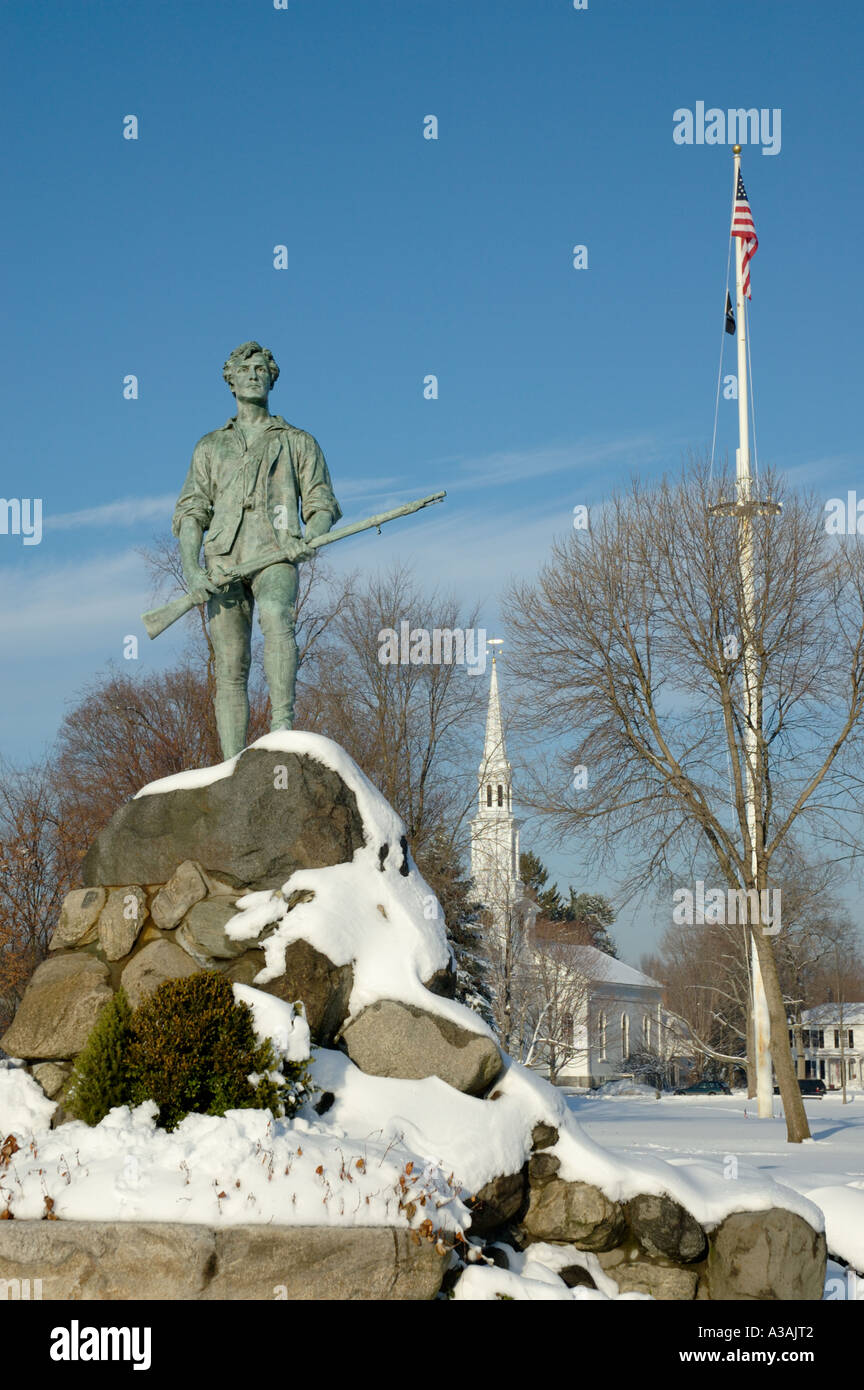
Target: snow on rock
(532, 1278)
(273, 1018)
(477, 1140)
(474, 1139)
(24, 1107)
(694, 1183)
(388, 925)
(843, 1209)
(377, 914)
(244, 1167)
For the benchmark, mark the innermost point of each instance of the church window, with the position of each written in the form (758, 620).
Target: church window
(489, 795)
(601, 1031)
(500, 795)
(625, 1036)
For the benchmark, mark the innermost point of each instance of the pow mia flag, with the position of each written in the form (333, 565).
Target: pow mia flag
(730, 317)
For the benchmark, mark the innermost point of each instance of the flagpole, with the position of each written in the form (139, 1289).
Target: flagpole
(744, 497)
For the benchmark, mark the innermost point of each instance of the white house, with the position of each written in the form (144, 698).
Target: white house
(620, 1016)
(617, 1012)
(827, 1043)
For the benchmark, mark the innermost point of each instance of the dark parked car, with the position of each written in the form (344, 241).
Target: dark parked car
(704, 1088)
(812, 1086)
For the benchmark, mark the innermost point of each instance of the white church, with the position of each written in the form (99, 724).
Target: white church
(620, 1010)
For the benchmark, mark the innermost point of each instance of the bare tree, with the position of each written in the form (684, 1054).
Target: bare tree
(634, 635)
(410, 725)
(557, 1007)
(38, 860)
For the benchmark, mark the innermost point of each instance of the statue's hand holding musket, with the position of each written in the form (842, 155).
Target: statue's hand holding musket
(201, 585)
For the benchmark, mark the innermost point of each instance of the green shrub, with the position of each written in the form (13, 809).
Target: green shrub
(100, 1078)
(191, 1048)
(194, 1048)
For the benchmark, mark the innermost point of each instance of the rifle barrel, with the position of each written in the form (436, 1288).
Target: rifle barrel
(372, 521)
(158, 619)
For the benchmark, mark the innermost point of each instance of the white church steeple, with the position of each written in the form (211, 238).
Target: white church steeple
(494, 830)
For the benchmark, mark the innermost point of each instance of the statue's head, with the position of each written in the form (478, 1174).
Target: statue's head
(250, 371)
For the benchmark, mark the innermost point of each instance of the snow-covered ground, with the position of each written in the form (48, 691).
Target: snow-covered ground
(724, 1132)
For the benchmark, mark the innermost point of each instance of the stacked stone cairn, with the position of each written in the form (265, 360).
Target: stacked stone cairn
(161, 882)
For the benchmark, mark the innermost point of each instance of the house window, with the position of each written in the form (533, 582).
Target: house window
(489, 795)
(500, 795)
(625, 1036)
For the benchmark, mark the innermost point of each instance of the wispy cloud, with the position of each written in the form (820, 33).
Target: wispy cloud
(129, 511)
(523, 465)
(84, 602)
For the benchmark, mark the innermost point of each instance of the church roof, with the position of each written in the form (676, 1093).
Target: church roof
(599, 967)
(494, 751)
(830, 1014)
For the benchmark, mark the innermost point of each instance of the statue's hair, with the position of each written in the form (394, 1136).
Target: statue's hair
(244, 351)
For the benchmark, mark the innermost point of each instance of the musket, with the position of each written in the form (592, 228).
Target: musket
(156, 620)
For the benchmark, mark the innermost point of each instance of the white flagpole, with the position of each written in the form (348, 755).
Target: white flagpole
(744, 497)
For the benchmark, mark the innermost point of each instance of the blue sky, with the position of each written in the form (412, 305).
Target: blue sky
(406, 256)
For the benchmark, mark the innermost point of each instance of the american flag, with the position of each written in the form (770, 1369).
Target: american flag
(742, 225)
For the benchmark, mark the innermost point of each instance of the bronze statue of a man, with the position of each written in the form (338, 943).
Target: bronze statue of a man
(247, 487)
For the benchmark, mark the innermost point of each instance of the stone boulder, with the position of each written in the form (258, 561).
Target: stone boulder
(575, 1277)
(253, 828)
(176, 1262)
(664, 1228)
(302, 1263)
(443, 982)
(52, 1077)
(121, 920)
(574, 1213)
(79, 917)
(152, 966)
(542, 1166)
(183, 890)
(59, 1008)
(766, 1255)
(324, 988)
(497, 1203)
(543, 1136)
(664, 1282)
(400, 1040)
(202, 932)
